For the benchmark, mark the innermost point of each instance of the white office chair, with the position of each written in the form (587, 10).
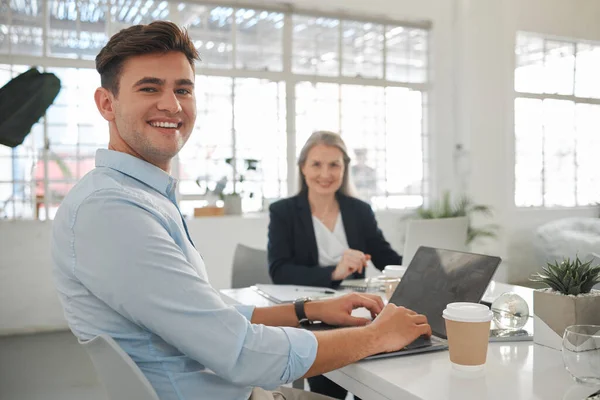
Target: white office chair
(121, 377)
(250, 266)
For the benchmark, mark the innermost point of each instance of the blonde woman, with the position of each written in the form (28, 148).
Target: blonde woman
(324, 235)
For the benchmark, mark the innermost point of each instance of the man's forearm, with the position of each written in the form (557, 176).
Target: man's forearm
(336, 348)
(279, 315)
(340, 347)
(392, 328)
(285, 315)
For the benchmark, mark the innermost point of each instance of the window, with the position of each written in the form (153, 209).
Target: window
(365, 79)
(362, 49)
(207, 168)
(382, 123)
(212, 31)
(557, 122)
(73, 28)
(373, 121)
(202, 165)
(74, 130)
(259, 40)
(17, 176)
(315, 49)
(406, 54)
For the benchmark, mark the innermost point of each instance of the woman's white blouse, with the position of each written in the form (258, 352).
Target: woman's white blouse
(331, 245)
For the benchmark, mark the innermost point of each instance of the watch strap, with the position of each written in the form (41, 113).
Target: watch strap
(300, 310)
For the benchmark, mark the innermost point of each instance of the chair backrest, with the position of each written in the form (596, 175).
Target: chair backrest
(122, 378)
(440, 233)
(250, 266)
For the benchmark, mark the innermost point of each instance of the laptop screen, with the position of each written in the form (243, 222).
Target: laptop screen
(437, 277)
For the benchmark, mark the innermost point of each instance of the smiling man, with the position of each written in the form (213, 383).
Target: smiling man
(125, 264)
(148, 99)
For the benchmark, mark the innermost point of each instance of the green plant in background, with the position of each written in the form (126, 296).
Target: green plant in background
(569, 277)
(463, 207)
(251, 164)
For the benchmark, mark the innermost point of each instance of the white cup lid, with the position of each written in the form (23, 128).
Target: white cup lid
(394, 270)
(467, 312)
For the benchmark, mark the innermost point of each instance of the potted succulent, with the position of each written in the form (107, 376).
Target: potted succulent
(568, 300)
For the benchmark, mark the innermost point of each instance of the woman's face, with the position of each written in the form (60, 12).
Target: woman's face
(324, 169)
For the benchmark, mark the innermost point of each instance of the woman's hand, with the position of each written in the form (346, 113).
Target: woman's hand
(352, 261)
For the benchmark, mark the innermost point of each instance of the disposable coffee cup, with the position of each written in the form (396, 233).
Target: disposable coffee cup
(468, 330)
(392, 276)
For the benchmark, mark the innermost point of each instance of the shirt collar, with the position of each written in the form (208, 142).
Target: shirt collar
(138, 169)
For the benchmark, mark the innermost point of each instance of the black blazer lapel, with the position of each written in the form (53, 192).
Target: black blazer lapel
(305, 218)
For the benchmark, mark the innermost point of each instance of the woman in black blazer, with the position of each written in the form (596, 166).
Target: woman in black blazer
(324, 208)
(293, 253)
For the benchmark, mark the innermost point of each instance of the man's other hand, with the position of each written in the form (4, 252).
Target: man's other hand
(395, 327)
(338, 311)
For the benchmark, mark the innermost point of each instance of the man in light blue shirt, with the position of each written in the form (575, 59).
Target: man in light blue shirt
(125, 264)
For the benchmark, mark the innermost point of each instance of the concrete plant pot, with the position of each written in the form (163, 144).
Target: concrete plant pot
(232, 203)
(554, 312)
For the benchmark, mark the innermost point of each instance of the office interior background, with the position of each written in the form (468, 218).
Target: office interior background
(499, 100)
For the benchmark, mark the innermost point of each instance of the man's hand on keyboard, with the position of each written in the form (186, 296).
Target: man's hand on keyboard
(338, 311)
(397, 326)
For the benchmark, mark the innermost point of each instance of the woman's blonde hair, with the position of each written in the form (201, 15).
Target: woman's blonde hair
(328, 139)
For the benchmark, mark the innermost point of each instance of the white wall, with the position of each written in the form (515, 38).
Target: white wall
(472, 104)
(486, 32)
(28, 300)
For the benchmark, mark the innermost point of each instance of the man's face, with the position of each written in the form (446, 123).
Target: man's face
(154, 112)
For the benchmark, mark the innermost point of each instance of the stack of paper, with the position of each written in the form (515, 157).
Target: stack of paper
(289, 293)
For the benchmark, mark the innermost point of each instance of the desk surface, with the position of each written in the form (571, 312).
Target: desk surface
(515, 370)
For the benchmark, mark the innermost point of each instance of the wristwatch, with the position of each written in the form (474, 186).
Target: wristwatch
(299, 308)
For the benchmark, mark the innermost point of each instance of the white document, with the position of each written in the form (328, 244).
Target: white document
(288, 293)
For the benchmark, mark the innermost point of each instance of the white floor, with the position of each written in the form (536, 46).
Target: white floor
(49, 366)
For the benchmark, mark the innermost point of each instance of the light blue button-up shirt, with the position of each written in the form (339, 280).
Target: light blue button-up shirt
(125, 265)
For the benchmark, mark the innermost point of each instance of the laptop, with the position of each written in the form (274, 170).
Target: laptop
(434, 278)
(441, 233)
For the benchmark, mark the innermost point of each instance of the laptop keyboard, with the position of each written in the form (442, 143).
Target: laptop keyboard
(421, 341)
(320, 326)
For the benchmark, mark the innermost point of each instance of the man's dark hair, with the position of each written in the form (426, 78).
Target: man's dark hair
(156, 37)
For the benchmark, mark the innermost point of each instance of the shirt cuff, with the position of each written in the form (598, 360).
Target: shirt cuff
(246, 311)
(303, 351)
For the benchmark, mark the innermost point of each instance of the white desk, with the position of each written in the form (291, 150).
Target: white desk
(516, 370)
